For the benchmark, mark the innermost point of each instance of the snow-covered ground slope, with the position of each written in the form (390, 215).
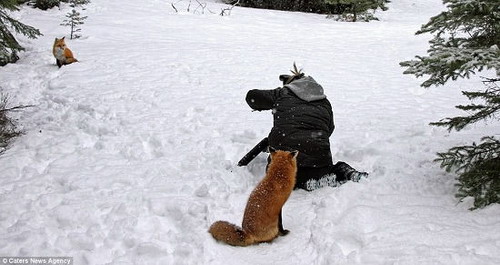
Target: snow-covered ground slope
(129, 155)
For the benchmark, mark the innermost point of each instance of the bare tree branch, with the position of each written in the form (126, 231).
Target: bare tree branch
(16, 108)
(173, 6)
(229, 9)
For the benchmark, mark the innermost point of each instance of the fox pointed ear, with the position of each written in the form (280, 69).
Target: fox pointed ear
(272, 150)
(63, 38)
(294, 153)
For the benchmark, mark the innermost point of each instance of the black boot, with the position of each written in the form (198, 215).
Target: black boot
(344, 172)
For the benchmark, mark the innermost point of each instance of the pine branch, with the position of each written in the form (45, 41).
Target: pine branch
(492, 80)
(461, 159)
(452, 59)
(8, 40)
(458, 123)
(482, 182)
(487, 110)
(472, 17)
(9, 4)
(19, 27)
(466, 41)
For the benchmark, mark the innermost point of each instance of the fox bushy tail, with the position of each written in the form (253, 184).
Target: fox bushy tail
(230, 234)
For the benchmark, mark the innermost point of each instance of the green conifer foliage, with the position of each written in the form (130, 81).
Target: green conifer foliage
(9, 46)
(74, 18)
(467, 41)
(46, 4)
(315, 6)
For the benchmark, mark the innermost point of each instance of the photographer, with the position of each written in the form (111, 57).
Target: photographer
(303, 121)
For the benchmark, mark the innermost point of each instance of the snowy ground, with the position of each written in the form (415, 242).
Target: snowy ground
(130, 154)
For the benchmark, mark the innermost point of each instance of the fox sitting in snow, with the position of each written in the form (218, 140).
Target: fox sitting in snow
(262, 221)
(62, 53)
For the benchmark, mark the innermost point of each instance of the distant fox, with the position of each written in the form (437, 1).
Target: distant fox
(62, 53)
(262, 220)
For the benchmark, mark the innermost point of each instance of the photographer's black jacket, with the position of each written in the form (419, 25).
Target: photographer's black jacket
(303, 120)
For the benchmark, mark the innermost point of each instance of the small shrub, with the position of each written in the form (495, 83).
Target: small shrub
(8, 129)
(46, 4)
(350, 17)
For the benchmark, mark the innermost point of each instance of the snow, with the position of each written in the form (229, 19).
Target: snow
(130, 154)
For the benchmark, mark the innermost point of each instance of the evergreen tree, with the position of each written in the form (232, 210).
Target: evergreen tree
(74, 18)
(8, 43)
(316, 6)
(467, 40)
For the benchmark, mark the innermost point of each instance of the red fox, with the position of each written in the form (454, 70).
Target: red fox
(262, 220)
(62, 53)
